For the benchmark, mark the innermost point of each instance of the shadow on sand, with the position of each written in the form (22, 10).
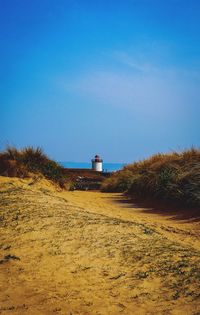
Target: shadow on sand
(172, 212)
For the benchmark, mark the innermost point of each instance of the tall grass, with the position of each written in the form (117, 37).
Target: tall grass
(170, 177)
(20, 163)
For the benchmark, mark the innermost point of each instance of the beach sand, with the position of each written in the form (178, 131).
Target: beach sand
(70, 253)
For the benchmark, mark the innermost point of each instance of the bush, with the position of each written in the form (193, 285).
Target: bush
(169, 177)
(119, 182)
(20, 163)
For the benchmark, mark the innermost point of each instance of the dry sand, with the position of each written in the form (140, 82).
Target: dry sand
(67, 253)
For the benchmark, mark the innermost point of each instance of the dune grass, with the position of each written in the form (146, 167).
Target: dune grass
(171, 177)
(20, 163)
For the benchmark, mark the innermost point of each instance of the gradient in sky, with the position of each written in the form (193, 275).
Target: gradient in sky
(118, 78)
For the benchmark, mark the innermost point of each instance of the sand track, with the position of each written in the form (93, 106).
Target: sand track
(81, 253)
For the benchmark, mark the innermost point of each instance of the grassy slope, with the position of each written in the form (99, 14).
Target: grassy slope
(20, 163)
(169, 177)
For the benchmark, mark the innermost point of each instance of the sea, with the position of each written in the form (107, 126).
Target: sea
(107, 167)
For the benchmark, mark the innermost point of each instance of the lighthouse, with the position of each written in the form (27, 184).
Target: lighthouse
(97, 164)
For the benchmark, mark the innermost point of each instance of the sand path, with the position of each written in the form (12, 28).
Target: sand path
(70, 253)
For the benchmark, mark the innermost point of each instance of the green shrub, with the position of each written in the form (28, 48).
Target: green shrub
(168, 177)
(20, 163)
(119, 182)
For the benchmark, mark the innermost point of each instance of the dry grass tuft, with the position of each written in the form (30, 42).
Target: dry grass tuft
(170, 177)
(19, 163)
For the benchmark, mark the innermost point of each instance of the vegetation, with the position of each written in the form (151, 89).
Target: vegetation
(20, 163)
(168, 177)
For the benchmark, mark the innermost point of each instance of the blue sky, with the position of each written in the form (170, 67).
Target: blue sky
(118, 78)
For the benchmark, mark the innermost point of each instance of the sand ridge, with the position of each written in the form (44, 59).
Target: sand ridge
(85, 253)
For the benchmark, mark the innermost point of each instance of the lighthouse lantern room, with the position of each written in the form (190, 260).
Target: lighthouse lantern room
(97, 164)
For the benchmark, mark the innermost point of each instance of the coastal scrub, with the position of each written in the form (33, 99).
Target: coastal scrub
(171, 177)
(20, 163)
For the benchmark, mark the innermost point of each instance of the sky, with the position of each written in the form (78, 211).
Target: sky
(117, 78)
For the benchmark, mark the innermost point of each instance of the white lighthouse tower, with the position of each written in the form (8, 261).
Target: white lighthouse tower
(97, 164)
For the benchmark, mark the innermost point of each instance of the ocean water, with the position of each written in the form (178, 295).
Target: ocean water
(107, 167)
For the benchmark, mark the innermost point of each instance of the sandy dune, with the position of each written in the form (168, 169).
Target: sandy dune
(70, 253)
